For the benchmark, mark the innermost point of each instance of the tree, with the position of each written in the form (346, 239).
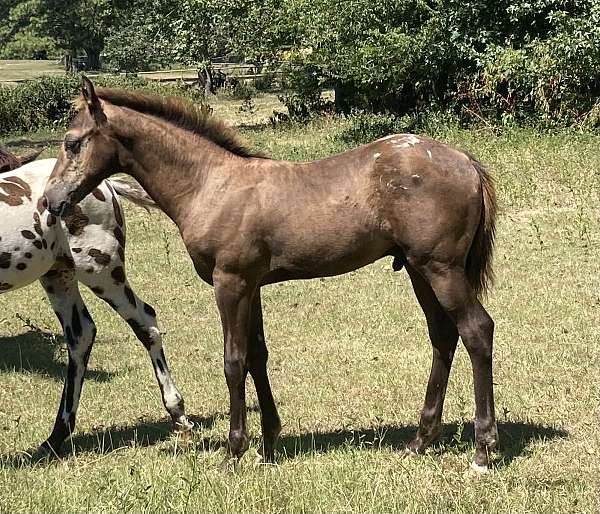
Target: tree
(201, 31)
(79, 24)
(20, 37)
(73, 24)
(140, 36)
(263, 31)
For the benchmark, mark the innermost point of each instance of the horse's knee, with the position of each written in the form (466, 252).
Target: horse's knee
(234, 368)
(147, 335)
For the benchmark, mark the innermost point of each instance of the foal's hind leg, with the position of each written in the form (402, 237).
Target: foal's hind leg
(141, 317)
(80, 332)
(444, 337)
(476, 329)
(257, 365)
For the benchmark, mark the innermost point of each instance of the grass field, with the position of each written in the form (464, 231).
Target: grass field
(23, 69)
(349, 360)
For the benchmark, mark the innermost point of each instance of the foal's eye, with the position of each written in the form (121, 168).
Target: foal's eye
(72, 145)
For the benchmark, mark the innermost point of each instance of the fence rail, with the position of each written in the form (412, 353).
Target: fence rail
(184, 74)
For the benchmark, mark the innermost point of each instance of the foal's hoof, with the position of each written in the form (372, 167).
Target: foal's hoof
(182, 425)
(414, 448)
(44, 453)
(182, 428)
(265, 458)
(409, 453)
(479, 469)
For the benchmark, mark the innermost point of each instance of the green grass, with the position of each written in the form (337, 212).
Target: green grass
(349, 360)
(11, 70)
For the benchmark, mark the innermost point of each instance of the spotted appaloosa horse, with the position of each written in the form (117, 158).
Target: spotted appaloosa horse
(248, 221)
(88, 247)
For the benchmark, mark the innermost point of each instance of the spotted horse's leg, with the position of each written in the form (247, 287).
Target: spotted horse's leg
(79, 330)
(114, 289)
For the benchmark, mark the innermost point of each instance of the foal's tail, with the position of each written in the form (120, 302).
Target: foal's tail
(479, 260)
(132, 191)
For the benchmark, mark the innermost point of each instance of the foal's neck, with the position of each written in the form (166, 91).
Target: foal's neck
(171, 164)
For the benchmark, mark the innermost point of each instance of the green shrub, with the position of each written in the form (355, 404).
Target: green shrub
(241, 90)
(301, 91)
(524, 61)
(46, 102)
(26, 45)
(35, 104)
(266, 82)
(364, 127)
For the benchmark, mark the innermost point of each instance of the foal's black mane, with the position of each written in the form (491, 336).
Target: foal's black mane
(183, 114)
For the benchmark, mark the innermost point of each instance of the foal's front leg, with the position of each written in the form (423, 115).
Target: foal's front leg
(234, 300)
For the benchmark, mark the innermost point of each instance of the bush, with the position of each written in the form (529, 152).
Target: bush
(46, 102)
(302, 91)
(266, 82)
(534, 61)
(555, 81)
(242, 90)
(35, 104)
(364, 127)
(25, 45)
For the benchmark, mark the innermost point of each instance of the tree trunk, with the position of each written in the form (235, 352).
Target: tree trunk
(258, 66)
(341, 97)
(208, 83)
(93, 58)
(68, 61)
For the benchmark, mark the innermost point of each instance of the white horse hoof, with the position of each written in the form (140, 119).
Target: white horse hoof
(478, 468)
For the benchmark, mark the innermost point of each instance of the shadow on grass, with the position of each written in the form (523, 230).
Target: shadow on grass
(35, 352)
(515, 439)
(142, 434)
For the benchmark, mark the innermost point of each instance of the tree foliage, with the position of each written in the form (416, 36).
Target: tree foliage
(493, 60)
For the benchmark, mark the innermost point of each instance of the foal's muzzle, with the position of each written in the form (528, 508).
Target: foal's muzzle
(58, 200)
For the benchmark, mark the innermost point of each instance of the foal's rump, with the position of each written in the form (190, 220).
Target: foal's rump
(428, 196)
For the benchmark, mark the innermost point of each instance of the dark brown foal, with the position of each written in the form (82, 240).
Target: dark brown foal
(248, 221)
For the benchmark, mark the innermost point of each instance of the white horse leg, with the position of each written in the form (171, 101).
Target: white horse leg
(80, 332)
(99, 258)
(141, 317)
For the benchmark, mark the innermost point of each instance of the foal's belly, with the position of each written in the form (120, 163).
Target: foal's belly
(321, 257)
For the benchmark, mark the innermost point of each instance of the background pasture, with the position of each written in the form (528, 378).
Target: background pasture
(349, 360)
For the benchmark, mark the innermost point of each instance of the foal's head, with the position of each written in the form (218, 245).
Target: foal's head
(90, 153)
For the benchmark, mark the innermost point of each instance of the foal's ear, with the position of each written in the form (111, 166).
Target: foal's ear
(93, 102)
